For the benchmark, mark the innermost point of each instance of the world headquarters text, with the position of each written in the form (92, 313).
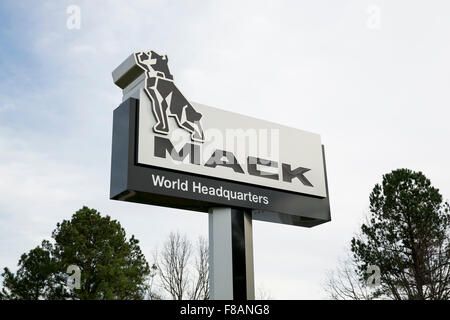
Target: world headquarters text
(194, 186)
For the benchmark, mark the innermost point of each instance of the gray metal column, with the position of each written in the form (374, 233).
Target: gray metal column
(231, 254)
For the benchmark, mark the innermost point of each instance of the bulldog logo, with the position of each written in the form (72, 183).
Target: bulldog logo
(167, 100)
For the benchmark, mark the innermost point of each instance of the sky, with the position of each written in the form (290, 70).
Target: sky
(371, 77)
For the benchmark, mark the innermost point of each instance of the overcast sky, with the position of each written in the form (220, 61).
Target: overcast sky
(371, 77)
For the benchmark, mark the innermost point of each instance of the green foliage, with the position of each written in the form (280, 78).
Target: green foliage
(33, 277)
(407, 237)
(111, 267)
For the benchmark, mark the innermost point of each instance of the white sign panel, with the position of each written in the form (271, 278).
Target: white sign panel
(212, 142)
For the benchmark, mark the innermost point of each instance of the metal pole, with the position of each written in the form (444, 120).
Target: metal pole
(231, 254)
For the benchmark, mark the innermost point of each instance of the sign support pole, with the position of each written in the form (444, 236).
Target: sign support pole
(231, 254)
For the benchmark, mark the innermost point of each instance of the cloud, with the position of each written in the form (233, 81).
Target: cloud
(379, 100)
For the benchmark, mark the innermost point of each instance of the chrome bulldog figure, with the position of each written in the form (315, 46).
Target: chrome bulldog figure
(167, 100)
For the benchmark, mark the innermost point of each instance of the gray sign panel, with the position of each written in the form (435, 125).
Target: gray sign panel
(132, 180)
(172, 152)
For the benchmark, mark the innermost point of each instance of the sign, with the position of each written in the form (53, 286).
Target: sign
(173, 152)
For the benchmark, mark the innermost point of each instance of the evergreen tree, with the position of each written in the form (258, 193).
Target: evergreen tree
(32, 279)
(407, 235)
(111, 266)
